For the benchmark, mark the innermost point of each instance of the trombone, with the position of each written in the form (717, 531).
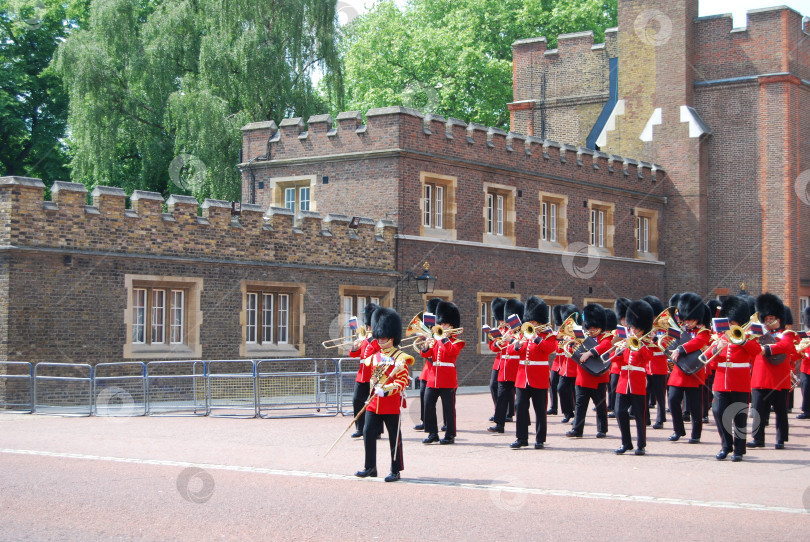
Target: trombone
(529, 331)
(348, 340)
(737, 335)
(662, 322)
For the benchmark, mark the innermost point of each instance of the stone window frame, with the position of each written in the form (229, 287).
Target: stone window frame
(450, 185)
(609, 210)
(383, 293)
(509, 193)
(279, 184)
(294, 347)
(562, 221)
(652, 218)
(484, 302)
(190, 348)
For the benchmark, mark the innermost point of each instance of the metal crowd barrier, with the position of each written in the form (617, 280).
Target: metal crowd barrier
(268, 388)
(298, 387)
(119, 389)
(176, 387)
(64, 389)
(16, 386)
(232, 388)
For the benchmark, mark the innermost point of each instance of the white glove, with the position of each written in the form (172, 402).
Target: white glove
(379, 392)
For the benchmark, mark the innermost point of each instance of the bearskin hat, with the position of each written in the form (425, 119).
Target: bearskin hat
(751, 300)
(563, 313)
(736, 309)
(386, 323)
(535, 310)
(769, 304)
(620, 306)
(673, 301)
(447, 313)
(513, 306)
(806, 316)
(788, 317)
(593, 315)
(714, 307)
(367, 312)
(432, 303)
(691, 307)
(656, 304)
(611, 321)
(498, 305)
(640, 315)
(707, 316)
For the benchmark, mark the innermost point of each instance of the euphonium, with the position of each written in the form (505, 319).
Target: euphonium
(567, 336)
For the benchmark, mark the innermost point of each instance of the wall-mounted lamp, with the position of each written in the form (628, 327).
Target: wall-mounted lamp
(424, 282)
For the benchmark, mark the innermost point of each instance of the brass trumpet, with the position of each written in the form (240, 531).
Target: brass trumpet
(529, 331)
(348, 340)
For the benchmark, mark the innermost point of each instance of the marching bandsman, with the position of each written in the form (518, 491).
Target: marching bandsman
(444, 351)
(495, 345)
(554, 372)
(508, 371)
(694, 314)
(804, 372)
(631, 391)
(732, 381)
(587, 386)
(568, 371)
(770, 378)
(427, 368)
(620, 308)
(533, 374)
(363, 349)
(656, 388)
(390, 380)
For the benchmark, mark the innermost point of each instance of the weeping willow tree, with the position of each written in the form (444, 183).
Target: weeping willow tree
(160, 89)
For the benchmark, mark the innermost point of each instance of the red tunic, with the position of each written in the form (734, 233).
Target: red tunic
(658, 362)
(586, 379)
(734, 366)
(806, 362)
(444, 356)
(701, 338)
(633, 371)
(493, 345)
(568, 367)
(768, 376)
(367, 348)
(395, 385)
(509, 367)
(534, 369)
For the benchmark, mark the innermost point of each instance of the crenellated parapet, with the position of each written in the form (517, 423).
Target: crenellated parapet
(180, 227)
(406, 130)
(773, 41)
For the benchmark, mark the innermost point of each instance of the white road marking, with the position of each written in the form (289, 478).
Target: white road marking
(646, 499)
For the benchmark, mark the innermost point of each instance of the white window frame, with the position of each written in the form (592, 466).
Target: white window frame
(598, 228)
(177, 315)
(251, 310)
(139, 316)
(303, 198)
(490, 212)
(158, 324)
(268, 307)
(289, 198)
(553, 222)
(428, 206)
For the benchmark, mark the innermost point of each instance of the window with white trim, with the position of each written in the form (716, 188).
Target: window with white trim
(353, 301)
(548, 222)
(597, 228)
(438, 205)
(293, 193)
(600, 226)
(267, 317)
(646, 233)
(495, 214)
(162, 316)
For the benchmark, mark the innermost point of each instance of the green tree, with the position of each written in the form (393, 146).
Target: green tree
(33, 106)
(454, 57)
(160, 89)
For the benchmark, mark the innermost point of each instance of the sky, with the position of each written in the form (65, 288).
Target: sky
(706, 7)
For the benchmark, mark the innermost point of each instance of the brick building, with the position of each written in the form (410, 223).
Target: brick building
(666, 159)
(725, 111)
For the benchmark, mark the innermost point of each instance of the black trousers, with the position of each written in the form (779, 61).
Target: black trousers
(730, 409)
(583, 397)
(422, 388)
(448, 396)
(694, 401)
(707, 394)
(804, 379)
(506, 395)
(623, 404)
(614, 381)
(554, 380)
(566, 390)
(656, 386)
(761, 402)
(493, 389)
(372, 428)
(359, 398)
(539, 399)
